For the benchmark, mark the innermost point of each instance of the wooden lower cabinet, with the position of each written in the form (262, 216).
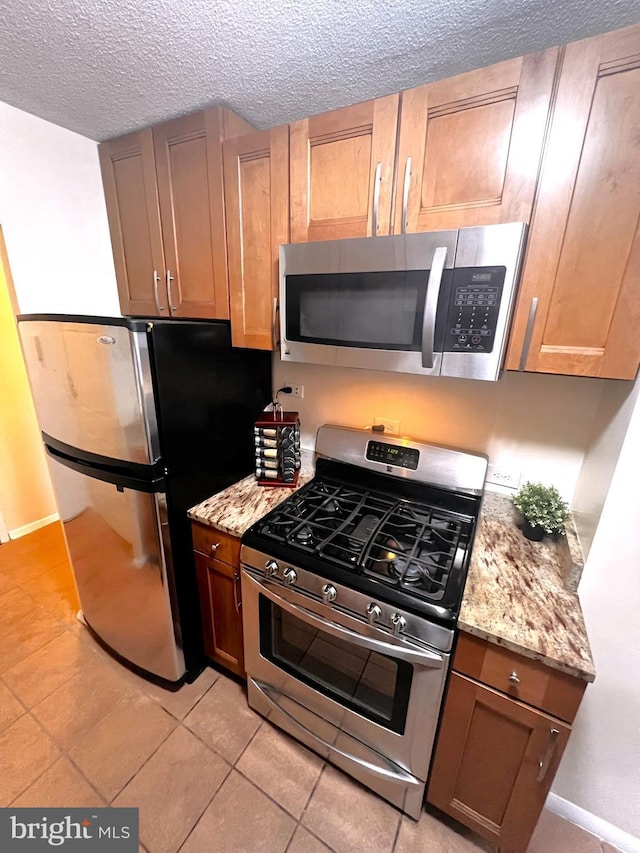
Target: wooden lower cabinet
(220, 596)
(496, 756)
(487, 769)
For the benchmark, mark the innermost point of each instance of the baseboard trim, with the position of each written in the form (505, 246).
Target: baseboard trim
(17, 532)
(593, 824)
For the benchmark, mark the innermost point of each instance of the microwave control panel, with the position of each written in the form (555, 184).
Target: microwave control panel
(391, 454)
(473, 309)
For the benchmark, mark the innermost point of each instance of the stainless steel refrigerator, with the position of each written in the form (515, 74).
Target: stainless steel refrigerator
(141, 419)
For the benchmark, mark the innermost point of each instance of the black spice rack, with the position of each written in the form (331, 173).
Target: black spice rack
(277, 448)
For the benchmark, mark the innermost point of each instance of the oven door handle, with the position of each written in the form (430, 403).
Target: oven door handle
(393, 772)
(420, 657)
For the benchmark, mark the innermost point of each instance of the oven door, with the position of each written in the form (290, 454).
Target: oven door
(366, 701)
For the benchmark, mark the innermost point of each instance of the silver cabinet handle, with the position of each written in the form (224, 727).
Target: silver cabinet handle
(214, 546)
(513, 678)
(376, 200)
(236, 601)
(524, 355)
(274, 323)
(170, 278)
(431, 305)
(156, 279)
(546, 761)
(405, 195)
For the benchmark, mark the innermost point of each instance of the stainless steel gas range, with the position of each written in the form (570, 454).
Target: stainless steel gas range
(351, 590)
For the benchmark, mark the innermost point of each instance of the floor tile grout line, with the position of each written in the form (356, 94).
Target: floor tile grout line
(397, 835)
(213, 796)
(249, 742)
(164, 739)
(24, 660)
(44, 770)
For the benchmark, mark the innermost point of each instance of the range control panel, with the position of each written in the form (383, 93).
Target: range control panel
(473, 309)
(391, 454)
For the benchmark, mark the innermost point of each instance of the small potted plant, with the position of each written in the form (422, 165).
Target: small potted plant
(542, 509)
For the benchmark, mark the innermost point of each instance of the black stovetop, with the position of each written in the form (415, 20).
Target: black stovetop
(403, 542)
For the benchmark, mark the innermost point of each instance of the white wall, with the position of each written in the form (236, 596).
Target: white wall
(609, 429)
(600, 771)
(538, 425)
(54, 221)
(54, 218)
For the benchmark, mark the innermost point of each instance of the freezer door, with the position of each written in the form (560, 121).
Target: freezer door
(91, 386)
(121, 557)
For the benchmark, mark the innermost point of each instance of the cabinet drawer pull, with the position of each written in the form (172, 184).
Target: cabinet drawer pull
(546, 761)
(170, 278)
(524, 355)
(513, 678)
(376, 200)
(214, 546)
(405, 194)
(156, 279)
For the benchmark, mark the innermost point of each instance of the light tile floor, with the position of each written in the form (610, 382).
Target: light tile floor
(78, 729)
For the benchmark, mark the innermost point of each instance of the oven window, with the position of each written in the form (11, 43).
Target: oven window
(375, 685)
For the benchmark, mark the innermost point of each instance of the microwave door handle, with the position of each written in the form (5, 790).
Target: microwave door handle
(431, 305)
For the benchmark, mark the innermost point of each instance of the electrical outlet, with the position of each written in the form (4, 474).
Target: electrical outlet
(390, 426)
(296, 390)
(503, 476)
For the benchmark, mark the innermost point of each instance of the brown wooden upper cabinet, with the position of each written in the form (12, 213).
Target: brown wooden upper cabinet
(165, 204)
(579, 305)
(470, 147)
(342, 172)
(256, 176)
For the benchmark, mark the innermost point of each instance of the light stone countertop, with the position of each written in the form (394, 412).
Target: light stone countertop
(519, 594)
(236, 508)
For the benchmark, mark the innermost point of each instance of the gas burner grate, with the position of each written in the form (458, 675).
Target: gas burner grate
(403, 544)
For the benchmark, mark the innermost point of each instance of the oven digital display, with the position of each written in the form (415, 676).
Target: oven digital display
(391, 454)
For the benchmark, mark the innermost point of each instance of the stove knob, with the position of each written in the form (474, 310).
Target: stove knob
(398, 624)
(373, 613)
(271, 568)
(289, 577)
(329, 593)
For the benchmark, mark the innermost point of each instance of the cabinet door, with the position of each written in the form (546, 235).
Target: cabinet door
(256, 175)
(129, 178)
(342, 171)
(494, 763)
(579, 305)
(220, 606)
(470, 146)
(188, 155)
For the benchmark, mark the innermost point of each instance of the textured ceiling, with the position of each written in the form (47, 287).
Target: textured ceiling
(103, 68)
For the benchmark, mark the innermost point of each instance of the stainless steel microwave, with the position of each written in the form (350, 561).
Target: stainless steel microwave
(437, 303)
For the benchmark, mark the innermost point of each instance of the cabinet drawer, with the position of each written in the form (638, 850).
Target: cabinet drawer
(214, 542)
(522, 678)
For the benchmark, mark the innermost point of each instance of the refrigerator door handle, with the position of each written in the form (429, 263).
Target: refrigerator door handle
(118, 478)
